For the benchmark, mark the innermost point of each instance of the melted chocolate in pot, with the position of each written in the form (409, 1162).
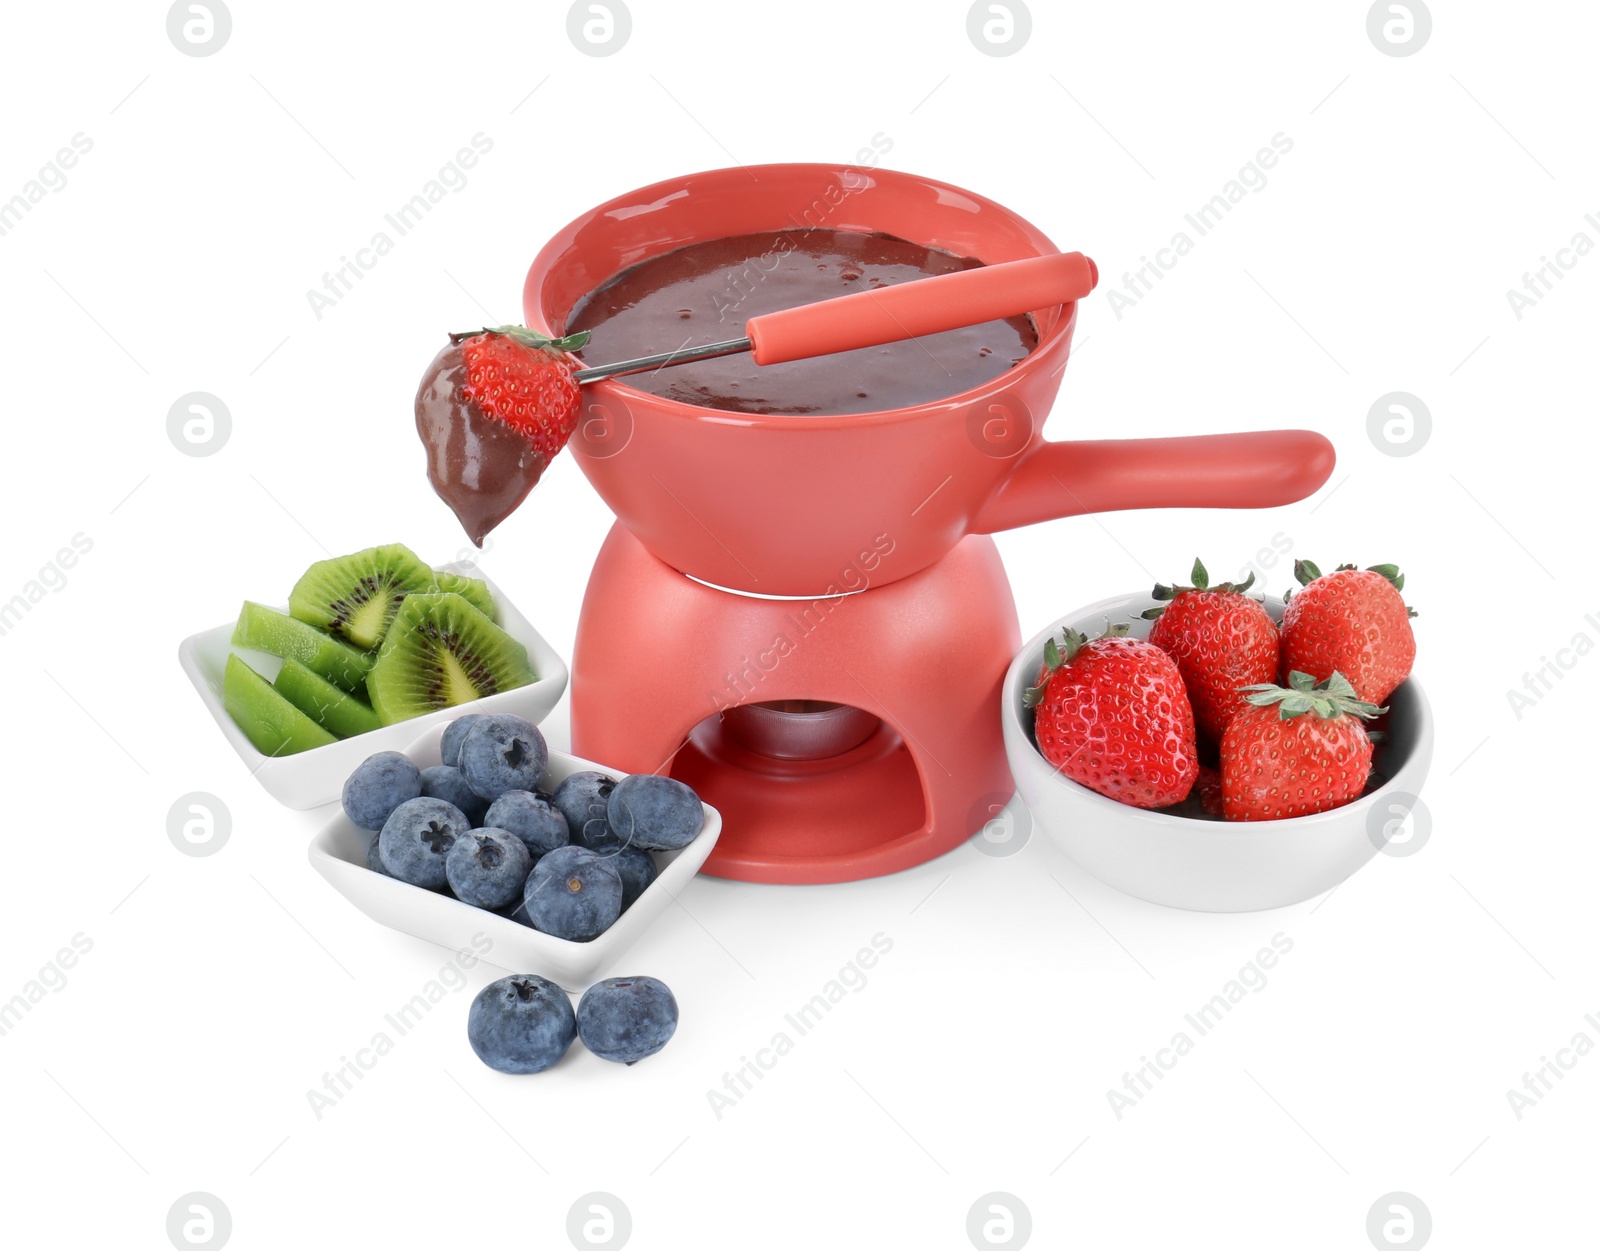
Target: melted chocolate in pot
(706, 292)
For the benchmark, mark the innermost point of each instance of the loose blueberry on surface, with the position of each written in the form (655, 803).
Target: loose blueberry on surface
(503, 753)
(573, 893)
(417, 837)
(532, 817)
(582, 799)
(450, 743)
(654, 812)
(626, 1019)
(445, 782)
(637, 869)
(521, 1024)
(379, 785)
(487, 868)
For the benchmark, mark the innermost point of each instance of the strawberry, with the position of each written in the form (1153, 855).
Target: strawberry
(1288, 753)
(1221, 641)
(1208, 789)
(494, 409)
(1351, 621)
(1111, 714)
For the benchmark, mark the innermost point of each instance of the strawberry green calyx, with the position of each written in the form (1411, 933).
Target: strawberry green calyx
(1072, 642)
(1306, 573)
(1202, 582)
(1332, 698)
(528, 338)
(1391, 574)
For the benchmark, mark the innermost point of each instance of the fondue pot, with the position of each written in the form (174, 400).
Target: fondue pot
(779, 505)
(762, 620)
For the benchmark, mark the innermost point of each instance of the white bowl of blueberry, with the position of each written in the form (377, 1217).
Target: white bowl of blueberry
(478, 829)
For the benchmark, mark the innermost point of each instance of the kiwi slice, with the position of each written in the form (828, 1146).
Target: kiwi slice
(440, 652)
(473, 590)
(264, 630)
(344, 714)
(355, 597)
(274, 725)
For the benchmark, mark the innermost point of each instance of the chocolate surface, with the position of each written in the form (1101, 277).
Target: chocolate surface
(481, 467)
(707, 291)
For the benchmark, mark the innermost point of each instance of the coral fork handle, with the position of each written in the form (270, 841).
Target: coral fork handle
(909, 310)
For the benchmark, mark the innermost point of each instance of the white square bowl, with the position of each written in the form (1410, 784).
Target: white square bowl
(339, 853)
(309, 779)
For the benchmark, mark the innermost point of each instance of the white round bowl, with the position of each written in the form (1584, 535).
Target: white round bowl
(1207, 866)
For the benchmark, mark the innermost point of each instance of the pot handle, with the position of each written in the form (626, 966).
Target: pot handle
(1260, 469)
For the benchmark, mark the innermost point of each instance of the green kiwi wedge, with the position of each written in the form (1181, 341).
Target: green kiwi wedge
(441, 652)
(340, 712)
(274, 725)
(264, 630)
(355, 597)
(474, 590)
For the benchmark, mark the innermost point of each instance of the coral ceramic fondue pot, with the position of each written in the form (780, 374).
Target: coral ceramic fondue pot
(763, 618)
(769, 504)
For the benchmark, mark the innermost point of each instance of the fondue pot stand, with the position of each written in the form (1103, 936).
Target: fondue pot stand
(802, 616)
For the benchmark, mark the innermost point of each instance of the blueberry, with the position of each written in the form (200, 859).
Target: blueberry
(627, 1018)
(379, 785)
(487, 868)
(573, 893)
(503, 753)
(654, 812)
(531, 817)
(582, 799)
(417, 837)
(450, 744)
(637, 869)
(374, 860)
(445, 782)
(521, 1024)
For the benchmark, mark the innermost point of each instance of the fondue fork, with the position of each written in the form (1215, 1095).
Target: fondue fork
(907, 310)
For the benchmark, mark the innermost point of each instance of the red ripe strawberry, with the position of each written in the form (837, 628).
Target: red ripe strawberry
(1292, 752)
(1221, 641)
(523, 379)
(1351, 621)
(1111, 714)
(1208, 789)
(493, 410)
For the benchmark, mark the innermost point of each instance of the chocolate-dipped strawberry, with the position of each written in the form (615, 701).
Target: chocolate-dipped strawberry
(493, 410)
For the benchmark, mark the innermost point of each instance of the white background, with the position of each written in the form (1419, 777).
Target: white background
(177, 257)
